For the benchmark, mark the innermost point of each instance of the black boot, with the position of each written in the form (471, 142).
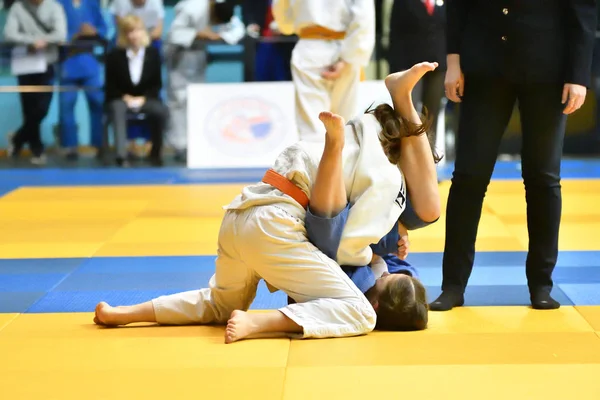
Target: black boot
(541, 300)
(447, 301)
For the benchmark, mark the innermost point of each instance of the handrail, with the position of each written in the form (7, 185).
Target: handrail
(46, 88)
(75, 43)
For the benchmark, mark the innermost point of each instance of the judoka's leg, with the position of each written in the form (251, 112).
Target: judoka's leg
(329, 303)
(233, 286)
(328, 195)
(344, 93)
(328, 209)
(309, 58)
(123, 315)
(416, 160)
(244, 325)
(95, 100)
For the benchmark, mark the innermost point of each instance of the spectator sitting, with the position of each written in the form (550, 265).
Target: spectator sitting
(132, 84)
(36, 27)
(152, 13)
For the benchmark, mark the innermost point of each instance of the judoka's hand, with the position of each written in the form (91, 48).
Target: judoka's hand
(208, 34)
(334, 71)
(156, 33)
(403, 245)
(87, 30)
(573, 97)
(253, 30)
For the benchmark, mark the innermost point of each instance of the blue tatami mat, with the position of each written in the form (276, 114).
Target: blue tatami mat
(510, 258)
(76, 285)
(587, 294)
(18, 302)
(502, 295)
(14, 178)
(85, 301)
(40, 265)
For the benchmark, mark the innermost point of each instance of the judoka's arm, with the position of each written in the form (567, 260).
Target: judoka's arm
(183, 30)
(99, 22)
(358, 45)
(325, 234)
(283, 16)
(157, 31)
(233, 31)
(411, 220)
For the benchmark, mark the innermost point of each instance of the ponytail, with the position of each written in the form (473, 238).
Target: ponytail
(394, 128)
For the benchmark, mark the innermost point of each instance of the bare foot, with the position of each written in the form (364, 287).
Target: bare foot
(334, 125)
(403, 82)
(109, 316)
(239, 326)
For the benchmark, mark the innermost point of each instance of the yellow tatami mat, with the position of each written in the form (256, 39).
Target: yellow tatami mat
(505, 352)
(451, 382)
(5, 319)
(184, 220)
(470, 353)
(591, 314)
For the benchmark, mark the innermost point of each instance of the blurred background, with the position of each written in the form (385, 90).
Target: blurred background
(261, 54)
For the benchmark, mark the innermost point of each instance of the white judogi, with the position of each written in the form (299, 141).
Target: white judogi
(263, 236)
(186, 60)
(310, 57)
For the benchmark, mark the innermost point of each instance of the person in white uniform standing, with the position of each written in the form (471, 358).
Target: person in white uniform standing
(336, 40)
(196, 23)
(263, 235)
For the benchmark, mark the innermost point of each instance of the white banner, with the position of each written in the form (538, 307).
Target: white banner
(247, 125)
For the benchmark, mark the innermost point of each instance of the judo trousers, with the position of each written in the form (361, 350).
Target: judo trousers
(314, 93)
(269, 242)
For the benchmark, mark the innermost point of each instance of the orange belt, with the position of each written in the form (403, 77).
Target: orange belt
(286, 186)
(316, 32)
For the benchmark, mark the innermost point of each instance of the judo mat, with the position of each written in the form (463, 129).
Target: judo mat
(71, 238)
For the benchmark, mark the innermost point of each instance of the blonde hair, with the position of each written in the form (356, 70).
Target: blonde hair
(127, 24)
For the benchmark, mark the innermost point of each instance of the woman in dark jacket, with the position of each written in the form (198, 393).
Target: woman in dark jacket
(537, 54)
(132, 84)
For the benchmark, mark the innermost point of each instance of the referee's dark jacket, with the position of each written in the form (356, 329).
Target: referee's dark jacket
(524, 41)
(416, 36)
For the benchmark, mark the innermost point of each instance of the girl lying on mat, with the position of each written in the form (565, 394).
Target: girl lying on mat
(263, 234)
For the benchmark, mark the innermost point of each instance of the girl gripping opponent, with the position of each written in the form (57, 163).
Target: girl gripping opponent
(263, 234)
